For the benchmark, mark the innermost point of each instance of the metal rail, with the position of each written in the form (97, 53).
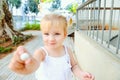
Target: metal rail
(101, 22)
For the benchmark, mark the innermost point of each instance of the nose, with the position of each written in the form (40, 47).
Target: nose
(51, 38)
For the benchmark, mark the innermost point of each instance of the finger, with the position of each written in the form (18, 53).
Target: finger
(87, 76)
(16, 57)
(17, 65)
(30, 62)
(93, 77)
(14, 65)
(19, 52)
(24, 55)
(90, 76)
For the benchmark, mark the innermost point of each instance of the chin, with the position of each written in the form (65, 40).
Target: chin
(53, 46)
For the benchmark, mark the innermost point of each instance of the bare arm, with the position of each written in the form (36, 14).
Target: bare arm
(28, 66)
(80, 74)
(75, 68)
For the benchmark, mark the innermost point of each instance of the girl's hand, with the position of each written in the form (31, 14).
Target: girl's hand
(86, 76)
(17, 64)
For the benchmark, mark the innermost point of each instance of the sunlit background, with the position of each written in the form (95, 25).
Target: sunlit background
(31, 10)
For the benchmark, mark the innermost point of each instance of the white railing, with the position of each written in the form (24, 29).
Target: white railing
(100, 20)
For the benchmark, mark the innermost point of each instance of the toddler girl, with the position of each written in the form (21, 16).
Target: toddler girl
(53, 61)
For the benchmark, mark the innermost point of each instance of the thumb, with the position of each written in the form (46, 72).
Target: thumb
(29, 63)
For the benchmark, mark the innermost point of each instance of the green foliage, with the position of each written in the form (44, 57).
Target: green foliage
(32, 26)
(56, 4)
(33, 7)
(72, 7)
(37, 1)
(35, 26)
(26, 9)
(14, 3)
(47, 1)
(27, 26)
(18, 39)
(3, 49)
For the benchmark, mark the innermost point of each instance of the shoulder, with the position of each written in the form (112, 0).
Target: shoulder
(69, 50)
(72, 57)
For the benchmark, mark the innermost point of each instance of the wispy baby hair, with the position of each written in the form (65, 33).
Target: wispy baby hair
(54, 20)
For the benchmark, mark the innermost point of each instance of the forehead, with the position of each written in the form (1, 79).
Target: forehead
(52, 28)
(49, 25)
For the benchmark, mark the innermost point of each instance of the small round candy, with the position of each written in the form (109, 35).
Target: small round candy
(24, 56)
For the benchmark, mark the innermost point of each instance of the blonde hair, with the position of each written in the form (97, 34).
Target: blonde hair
(54, 20)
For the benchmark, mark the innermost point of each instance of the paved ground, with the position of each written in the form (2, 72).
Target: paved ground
(7, 74)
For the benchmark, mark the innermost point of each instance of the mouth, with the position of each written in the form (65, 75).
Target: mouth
(52, 43)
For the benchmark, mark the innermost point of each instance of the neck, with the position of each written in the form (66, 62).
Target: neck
(59, 51)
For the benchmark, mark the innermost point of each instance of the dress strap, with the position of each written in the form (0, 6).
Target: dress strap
(44, 50)
(67, 56)
(66, 50)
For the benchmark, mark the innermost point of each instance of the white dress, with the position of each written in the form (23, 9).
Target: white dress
(55, 68)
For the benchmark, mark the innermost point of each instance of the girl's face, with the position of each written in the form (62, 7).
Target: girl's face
(53, 37)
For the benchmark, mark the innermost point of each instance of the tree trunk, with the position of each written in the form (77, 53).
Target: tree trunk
(6, 23)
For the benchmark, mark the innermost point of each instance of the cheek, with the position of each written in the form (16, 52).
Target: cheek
(45, 39)
(61, 38)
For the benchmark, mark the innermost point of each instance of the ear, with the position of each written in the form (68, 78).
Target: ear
(65, 34)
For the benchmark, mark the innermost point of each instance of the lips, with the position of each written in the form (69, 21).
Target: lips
(52, 43)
